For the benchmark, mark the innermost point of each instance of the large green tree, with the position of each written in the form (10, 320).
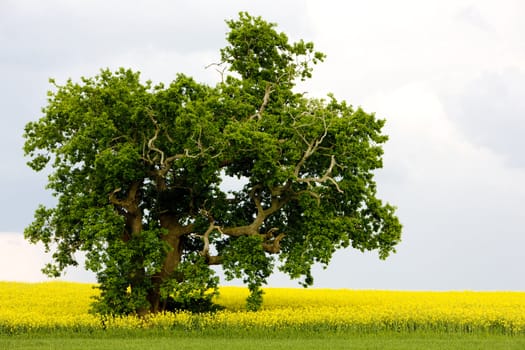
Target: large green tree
(137, 172)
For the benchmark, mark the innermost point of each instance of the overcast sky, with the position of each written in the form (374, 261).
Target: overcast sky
(447, 75)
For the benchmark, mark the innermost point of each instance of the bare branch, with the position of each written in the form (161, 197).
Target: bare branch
(267, 91)
(151, 142)
(114, 200)
(165, 162)
(213, 64)
(312, 147)
(238, 231)
(205, 252)
(256, 199)
(316, 196)
(278, 191)
(277, 202)
(129, 203)
(214, 260)
(220, 71)
(274, 246)
(206, 240)
(326, 177)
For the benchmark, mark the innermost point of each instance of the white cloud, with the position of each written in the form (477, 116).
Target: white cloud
(424, 140)
(491, 112)
(22, 261)
(379, 44)
(446, 164)
(460, 205)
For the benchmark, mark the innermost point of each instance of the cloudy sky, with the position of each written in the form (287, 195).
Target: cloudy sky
(447, 75)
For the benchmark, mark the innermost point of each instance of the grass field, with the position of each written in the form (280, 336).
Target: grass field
(386, 340)
(54, 315)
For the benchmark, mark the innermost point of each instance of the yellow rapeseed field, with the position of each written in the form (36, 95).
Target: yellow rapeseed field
(65, 305)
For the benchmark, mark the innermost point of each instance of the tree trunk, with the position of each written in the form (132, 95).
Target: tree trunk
(154, 298)
(173, 257)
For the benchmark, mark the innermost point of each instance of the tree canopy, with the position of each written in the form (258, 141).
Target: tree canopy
(138, 172)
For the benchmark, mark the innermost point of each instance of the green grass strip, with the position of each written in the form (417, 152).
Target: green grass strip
(387, 340)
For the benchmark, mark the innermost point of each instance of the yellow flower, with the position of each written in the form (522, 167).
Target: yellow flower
(65, 305)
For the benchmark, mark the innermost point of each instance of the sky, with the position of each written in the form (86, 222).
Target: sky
(447, 75)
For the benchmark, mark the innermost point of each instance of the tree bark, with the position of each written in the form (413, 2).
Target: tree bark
(173, 257)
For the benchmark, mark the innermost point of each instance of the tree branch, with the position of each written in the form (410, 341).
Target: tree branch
(267, 91)
(311, 149)
(314, 146)
(220, 71)
(151, 142)
(326, 177)
(255, 198)
(165, 163)
(214, 260)
(277, 202)
(130, 202)
(316, 196)
(273, 246)
(205, 252)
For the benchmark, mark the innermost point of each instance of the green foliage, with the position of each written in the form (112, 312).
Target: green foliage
(137, 172)
(195, 288)
(123, 280)
(261, 54)
(245, 258)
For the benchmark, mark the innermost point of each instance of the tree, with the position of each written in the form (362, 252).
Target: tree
(137, 172)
